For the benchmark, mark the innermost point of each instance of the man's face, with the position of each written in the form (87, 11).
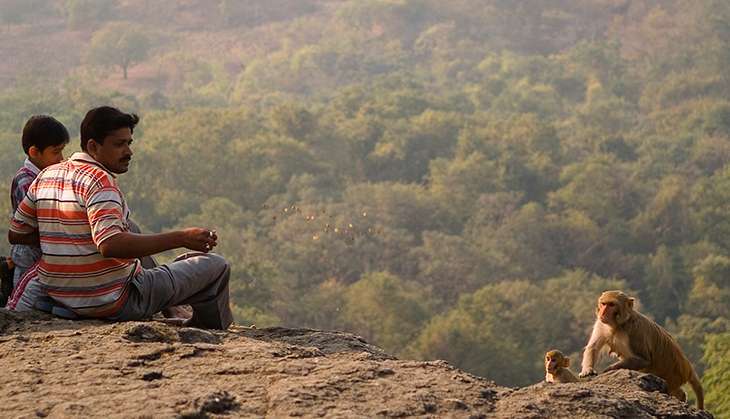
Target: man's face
(116, 152)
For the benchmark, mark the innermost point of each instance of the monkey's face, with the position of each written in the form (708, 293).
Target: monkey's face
(555, 360)
(614, 308)
(607, 310)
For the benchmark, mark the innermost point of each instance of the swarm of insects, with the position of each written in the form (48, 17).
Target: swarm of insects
(324, 225)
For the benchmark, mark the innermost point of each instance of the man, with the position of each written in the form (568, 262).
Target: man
(91, 257)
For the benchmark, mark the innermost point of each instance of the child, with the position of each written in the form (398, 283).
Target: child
(44, 139)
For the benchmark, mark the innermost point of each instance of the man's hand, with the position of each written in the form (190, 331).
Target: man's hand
(199, 239)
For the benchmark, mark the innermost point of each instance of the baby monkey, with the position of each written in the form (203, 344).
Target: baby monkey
(556, 368)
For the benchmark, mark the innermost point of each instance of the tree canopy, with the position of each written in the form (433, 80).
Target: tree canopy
(454, 180)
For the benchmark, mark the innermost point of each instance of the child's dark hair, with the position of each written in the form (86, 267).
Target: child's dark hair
(43, 131)
(101, 121)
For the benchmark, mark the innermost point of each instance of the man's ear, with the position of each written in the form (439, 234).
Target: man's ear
(91, 146)
(34, 152)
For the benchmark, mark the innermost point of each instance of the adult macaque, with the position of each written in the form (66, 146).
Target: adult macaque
(556, 368)
(640, 344)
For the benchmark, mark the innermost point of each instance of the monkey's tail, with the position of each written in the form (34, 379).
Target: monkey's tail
(694, 381)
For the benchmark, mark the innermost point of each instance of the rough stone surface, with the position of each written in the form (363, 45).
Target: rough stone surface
(59, 368)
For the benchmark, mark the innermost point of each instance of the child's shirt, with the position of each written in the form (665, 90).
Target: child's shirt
(23, 255)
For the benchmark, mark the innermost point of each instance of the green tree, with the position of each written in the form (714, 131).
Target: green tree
(600, 187)
(691, 333)
(525, 239)
(666, 218)
(462, 181)
(451, 266)
(666, 280)
(710, 208)
(417, 140)
(716, 379)
(711, 291)
(386, 310)
(119, 44)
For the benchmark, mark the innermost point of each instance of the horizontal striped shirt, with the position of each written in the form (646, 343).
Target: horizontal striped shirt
(76, 205)
(21, 182)
(23, 255)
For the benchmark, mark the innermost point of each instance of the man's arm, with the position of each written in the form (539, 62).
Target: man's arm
(105, 212)
(126, 245)
(30, 239)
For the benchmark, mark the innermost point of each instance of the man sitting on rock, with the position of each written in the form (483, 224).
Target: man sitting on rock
(91, 259)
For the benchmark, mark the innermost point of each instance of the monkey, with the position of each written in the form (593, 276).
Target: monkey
(640, 345)
(556, 368)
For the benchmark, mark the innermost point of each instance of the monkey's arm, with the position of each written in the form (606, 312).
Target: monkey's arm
(630, 363)
(595, 344)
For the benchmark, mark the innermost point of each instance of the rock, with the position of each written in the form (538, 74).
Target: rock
(621, 393)
(276, 372)
(219, 402)
(456, 404)
(193, 335)
(152, 375)
(150, 332)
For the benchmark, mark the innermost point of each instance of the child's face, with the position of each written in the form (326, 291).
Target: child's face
(49, 156)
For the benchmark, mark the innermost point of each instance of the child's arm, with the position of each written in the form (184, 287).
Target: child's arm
(30, 239)
(24, 225)
(20, 186)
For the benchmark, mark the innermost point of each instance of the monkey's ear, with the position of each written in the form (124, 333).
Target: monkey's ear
(566, 362)
(631, 302)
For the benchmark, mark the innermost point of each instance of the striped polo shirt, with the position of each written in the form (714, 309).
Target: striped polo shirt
(76, 205)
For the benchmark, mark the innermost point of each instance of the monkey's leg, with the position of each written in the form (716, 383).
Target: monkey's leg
(678, 393)
(631, 363)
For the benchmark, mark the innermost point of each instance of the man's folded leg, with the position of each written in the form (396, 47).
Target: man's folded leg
(197, 279)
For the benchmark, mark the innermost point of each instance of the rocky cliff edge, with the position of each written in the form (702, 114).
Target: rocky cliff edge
(57, 368)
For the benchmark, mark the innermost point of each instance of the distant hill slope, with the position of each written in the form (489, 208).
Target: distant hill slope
(52, 43)
(59, 368)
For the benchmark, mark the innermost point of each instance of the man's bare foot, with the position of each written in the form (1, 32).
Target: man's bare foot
(178, 312)
(174, 321)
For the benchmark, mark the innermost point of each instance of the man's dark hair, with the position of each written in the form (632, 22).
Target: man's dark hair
(43, 131)
(101, 121)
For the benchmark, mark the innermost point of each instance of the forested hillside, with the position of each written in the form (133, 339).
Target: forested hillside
(449, 179)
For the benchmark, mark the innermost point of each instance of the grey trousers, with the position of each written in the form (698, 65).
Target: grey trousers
(197, 279)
